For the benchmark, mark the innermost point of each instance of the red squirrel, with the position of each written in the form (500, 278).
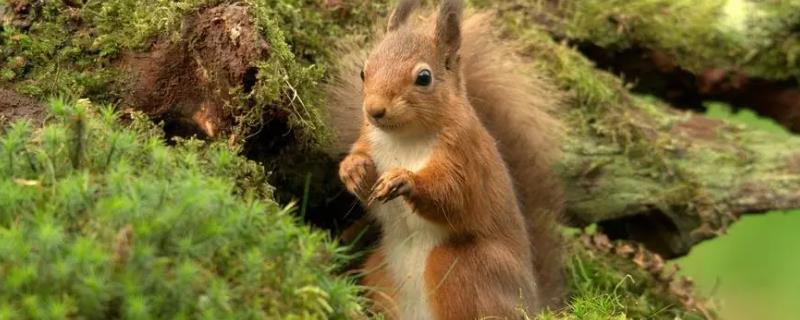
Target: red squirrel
(447, 113)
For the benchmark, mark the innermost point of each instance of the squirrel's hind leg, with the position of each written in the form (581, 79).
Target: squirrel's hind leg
(477, 281)
(381, 292)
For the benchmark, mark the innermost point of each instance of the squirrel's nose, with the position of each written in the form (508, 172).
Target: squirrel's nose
(377, 113)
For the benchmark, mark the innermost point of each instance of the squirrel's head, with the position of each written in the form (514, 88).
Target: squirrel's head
(413, 76)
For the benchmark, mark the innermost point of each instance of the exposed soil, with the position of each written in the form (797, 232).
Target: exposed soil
(188, 84)
(655, 73)
(14, 106)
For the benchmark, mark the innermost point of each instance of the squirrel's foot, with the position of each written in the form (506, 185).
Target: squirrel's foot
(358, 173)
(392, 184)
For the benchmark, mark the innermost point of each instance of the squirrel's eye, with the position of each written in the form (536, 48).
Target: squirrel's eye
(362, 74)
(423, 78)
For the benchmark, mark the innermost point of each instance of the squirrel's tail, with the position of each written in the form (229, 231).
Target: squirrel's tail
(515, 107)
(345, 115)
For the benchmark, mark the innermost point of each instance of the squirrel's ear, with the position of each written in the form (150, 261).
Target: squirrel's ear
(401, 13)
(448, 29)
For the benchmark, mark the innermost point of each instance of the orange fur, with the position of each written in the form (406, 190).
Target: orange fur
(515, 106)
(493, 257)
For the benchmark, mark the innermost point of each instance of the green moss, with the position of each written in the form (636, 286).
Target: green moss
(600, 107)
(50, 60)
(70, 51)
(101, 221)
(755, 37)
(73, 52)
(605, 286)
(303, 35)
(722, 111)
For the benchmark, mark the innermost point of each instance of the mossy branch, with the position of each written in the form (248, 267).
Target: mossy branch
(755, 37)
(709, 173)
(643, 170)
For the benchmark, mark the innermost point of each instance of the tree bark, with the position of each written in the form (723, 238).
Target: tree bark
(687, 52)
(710, 173)
(641, 169)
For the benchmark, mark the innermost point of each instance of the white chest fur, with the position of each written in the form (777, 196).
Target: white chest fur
(408, 239)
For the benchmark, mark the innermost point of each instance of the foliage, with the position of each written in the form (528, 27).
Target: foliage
(604, 282)
(99, 221)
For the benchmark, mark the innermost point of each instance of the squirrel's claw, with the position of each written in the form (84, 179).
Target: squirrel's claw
(395, 183)
(357, 172)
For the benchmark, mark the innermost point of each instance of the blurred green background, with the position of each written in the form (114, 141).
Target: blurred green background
(753, 272)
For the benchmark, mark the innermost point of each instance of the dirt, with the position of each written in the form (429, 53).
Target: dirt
(19, 13)
(187, 84)
(14, 106)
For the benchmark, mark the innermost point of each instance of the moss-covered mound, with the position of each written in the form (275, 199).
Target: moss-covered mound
(90, 49)
(100, 220)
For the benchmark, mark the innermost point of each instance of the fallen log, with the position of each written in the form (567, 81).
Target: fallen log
(689, 52)
(633, 165)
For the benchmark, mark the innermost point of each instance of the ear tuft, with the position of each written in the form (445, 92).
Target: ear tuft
(401, 13)
(448, 29)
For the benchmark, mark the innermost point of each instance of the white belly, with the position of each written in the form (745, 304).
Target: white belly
(408, 239)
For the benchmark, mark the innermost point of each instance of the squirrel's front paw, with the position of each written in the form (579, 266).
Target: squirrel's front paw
(358, 174)
(392, 184)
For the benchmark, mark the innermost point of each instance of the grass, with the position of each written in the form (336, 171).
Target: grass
(603, 285)
(752, 270)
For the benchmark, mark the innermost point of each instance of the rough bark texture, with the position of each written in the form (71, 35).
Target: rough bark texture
(710, 173)
(665, 178)
(687, 52)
